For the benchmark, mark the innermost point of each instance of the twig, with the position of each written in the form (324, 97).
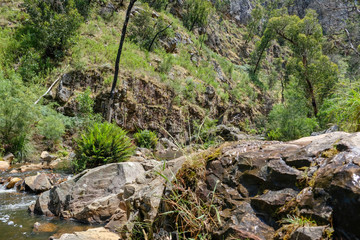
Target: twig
(350, 42)
(52, 85)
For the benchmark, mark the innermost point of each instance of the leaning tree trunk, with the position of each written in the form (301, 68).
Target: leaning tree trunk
(117, 62)
(310, 88)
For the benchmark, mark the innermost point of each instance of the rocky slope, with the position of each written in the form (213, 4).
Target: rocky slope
(304, 189)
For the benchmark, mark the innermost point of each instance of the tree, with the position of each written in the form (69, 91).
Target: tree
(118, 56)
(315, 73)
(196, 13)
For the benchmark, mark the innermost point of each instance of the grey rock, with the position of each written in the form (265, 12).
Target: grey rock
(38, 183)
(308, 233)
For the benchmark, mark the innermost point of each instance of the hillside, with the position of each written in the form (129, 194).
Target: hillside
(193, 76)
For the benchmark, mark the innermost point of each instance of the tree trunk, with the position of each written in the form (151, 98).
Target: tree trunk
(117, 62)
(310, 88)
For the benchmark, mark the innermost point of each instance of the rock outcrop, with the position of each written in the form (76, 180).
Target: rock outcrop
(314, 178)
(304, 189)
(116, 194)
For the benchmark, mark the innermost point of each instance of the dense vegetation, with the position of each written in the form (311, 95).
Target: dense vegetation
(311, 76)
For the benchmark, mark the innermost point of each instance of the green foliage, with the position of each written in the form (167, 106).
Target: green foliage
(52, 128)
(196, 13)
(157, 4)
(46, 34)
(146, 139)
(86, 103)
(254, 27)
(222, 5)
(343, 108)
(102, 143)
(307, 65)
(17, 114)
(143, 28)
(205, 132)
(290, 120)
(166, 64)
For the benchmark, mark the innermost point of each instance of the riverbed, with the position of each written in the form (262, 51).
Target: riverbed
(16, 223)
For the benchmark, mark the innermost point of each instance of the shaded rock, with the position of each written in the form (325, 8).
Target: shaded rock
(91, 234)
(38, 183)
(4, 165)
(313, 204)
(280, 175)
(272, 200)
(308, 233)
(340, 178)
(41, 205)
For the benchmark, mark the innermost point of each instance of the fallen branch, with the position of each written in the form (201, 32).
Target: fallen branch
(52, 85)
(157, 34)
(351, 44)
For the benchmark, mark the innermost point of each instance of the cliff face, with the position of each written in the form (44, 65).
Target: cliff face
(332, 13)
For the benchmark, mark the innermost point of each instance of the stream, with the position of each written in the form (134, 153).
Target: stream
(16, 223)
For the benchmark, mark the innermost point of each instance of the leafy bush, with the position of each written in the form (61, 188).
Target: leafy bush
(86, 103)
(205, 132)
(46, 34)
(52, 128)
(146, 139)
(196, 13)
(343, 108)
(143, 29)
(17, 114)
(290, 121)
(157, 4)
(102, 143)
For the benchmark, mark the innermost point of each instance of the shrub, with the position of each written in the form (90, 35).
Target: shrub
(205, 132)
(102, 143)
(52, 128)
(343, 108)
(157, 4)
(86, 103)
(46, 34)
(143, 28)
(146, 139)
(17, 114)
(196, 13)
(290, 121)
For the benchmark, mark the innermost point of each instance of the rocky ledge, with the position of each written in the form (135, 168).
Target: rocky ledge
(304, 189)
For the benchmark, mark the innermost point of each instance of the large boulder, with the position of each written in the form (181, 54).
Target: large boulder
(38, 183)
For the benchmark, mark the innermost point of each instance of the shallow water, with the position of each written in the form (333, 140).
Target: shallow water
(16, 223)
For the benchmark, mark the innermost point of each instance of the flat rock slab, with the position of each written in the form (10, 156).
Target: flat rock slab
(91, 234)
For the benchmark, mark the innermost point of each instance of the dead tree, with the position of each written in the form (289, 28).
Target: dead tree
(117, 61)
